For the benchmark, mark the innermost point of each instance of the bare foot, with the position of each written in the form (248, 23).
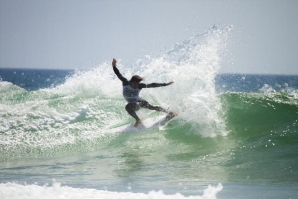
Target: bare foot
(171, 115)
(137, 123)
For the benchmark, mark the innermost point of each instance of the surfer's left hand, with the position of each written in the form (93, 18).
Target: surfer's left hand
(169, 83)
(114, 62)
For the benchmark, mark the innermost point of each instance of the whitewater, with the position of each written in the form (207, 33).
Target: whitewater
(235, 136)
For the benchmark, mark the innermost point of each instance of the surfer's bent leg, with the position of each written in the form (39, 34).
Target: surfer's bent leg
(145, 104)
(131, 108)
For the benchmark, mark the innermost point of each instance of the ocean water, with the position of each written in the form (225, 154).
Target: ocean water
(235, 136)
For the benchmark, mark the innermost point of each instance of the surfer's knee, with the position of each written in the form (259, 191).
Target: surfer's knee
(127, 107)
(130, 107)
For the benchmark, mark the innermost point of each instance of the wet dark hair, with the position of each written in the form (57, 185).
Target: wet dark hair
(136, 78)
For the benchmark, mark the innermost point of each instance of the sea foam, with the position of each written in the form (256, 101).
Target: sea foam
(15, 191)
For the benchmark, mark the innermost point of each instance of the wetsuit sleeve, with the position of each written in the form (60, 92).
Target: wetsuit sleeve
(123, 79)
(152, 85)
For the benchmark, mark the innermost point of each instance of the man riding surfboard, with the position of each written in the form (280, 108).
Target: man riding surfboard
(131, 93)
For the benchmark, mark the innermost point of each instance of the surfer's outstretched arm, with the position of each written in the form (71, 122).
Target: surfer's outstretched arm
(154, 85)
(116, 71)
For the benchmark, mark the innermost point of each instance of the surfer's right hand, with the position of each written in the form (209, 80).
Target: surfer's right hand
(114, 62)
(167, 84)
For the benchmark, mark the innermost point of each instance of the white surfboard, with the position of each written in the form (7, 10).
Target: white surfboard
(146, 124)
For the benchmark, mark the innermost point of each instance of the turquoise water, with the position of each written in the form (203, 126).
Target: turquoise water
(235, 136)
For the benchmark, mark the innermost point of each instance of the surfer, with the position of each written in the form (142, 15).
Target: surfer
(131, 93)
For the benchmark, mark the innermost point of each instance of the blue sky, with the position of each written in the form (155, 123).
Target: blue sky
(77, 34)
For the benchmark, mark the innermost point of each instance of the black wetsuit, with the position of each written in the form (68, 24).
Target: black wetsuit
(132, 96)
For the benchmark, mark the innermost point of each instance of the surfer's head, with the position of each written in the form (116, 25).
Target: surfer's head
(135, 80)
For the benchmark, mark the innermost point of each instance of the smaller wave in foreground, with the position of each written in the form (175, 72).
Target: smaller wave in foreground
(14, 191)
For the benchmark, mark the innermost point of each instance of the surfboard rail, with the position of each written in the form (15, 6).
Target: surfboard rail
(148, 123)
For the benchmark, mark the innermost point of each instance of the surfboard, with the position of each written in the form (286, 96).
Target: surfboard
(148, 123)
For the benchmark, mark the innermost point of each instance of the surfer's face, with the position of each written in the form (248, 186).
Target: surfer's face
(134, 85)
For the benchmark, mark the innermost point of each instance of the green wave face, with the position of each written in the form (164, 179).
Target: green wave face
(258, 112)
